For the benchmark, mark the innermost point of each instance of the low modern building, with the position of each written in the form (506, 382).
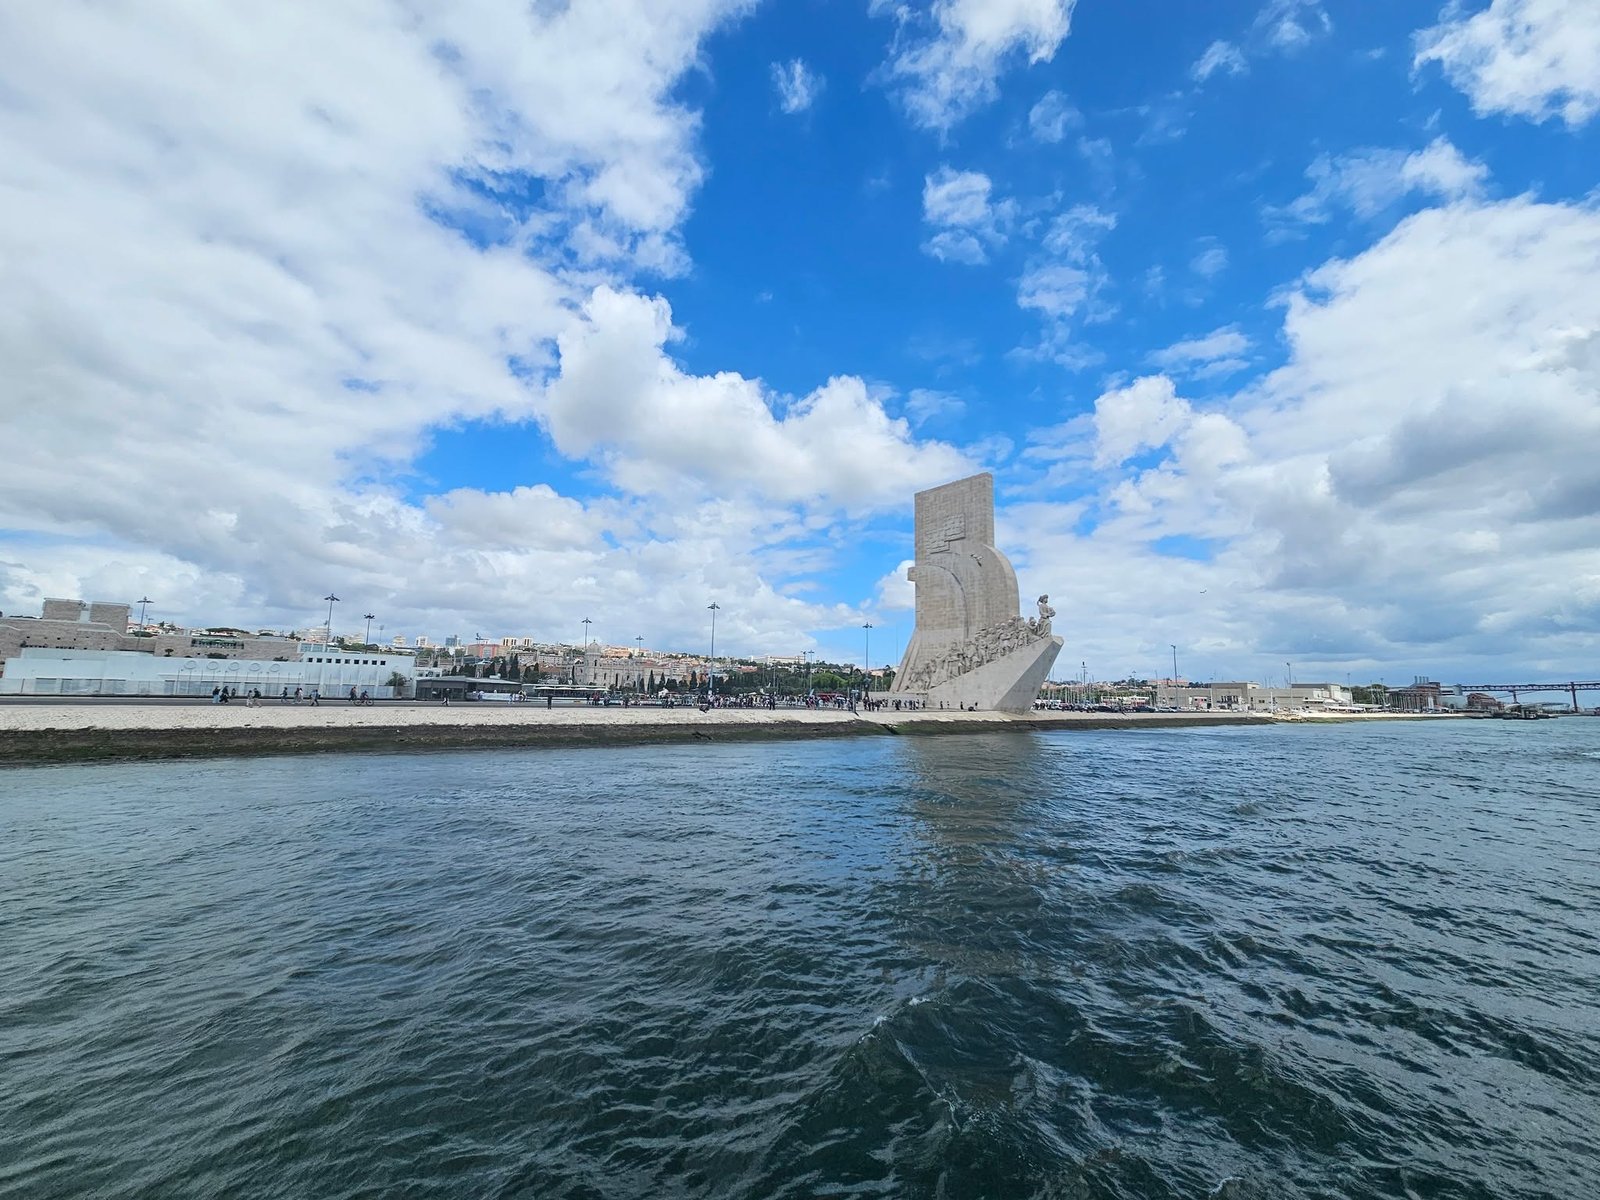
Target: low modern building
(1243, 696)
(80, 625)
(332, 670)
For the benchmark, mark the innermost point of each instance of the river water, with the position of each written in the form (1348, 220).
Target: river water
(1347, 961)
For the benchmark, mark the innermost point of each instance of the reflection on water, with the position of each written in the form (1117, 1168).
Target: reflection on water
(1348, 961)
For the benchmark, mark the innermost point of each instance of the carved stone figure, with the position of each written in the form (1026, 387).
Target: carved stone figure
(1041, 627)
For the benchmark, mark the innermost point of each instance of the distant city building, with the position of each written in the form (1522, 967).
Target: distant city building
(98, 627)
(332, 670)
(453, 642)
(1243, 696)
(423, 642)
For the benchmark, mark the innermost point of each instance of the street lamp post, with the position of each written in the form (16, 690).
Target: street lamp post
(332, 600)
(142, 605)
(805, 657)
(583, 651)
(638, 640)
(369, 618)
(711, 684)
(866, 657)
(1174, 672)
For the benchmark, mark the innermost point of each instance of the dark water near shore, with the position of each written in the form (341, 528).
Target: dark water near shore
(1336, 962)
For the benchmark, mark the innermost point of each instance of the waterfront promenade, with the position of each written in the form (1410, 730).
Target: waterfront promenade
(58, 732)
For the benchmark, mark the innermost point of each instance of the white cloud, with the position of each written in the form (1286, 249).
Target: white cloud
(1145, 415)
(253, 266)
(1291, 25)
(1370, 181)
(1210, 261)
(1219, 56)
(895, 592)
(1414, 486)
(1051, 118)
(797, 85)
(1068, 274)
(927, 404)
(948, 57)
(621, 402)
(1528, 58)
(967, 220)
(1220, 352)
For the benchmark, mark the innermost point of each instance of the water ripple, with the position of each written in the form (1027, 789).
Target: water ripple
(1234, 963)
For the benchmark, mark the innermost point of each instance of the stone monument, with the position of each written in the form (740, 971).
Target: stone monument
(971, 645)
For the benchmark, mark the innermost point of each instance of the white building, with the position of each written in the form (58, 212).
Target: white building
(1242, 696)
(331, 670)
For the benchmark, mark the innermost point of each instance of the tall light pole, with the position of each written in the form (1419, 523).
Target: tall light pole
(332, 600)
(1174, 672)
(142, 605)
(369, 618)
(638, 640)
(805, 657)
(866, 657)
(583, 652)
(711, 685)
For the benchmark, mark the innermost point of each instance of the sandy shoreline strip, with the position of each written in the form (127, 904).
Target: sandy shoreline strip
(53, 733)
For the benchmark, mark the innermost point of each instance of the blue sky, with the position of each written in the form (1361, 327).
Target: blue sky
(1273, 319)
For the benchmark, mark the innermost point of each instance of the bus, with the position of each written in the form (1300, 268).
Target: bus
(565, 693)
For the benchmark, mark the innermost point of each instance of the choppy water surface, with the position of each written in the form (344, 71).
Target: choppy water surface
(1341, 962)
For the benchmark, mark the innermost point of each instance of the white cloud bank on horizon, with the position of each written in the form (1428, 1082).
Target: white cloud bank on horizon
(1415, 483)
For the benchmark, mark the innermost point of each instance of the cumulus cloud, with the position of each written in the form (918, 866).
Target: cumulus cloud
(621, 402)
(948, 57)
(1414, 484)
(965, 218)
(1538, 59)
(1368, 182)
(797, 85)
(255, 269)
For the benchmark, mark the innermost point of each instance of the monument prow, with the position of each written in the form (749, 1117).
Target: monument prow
(970, 647)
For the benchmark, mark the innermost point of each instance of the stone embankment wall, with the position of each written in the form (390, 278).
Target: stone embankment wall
(45, 733)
